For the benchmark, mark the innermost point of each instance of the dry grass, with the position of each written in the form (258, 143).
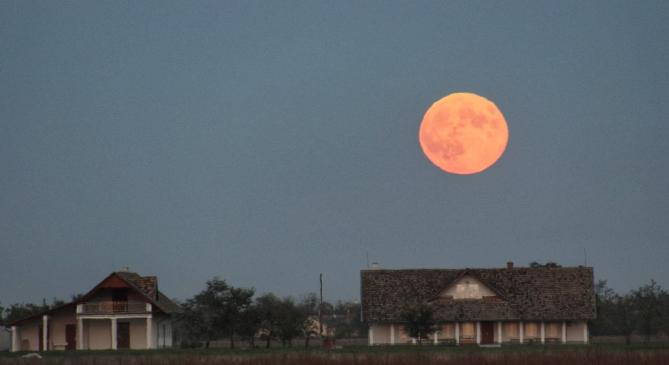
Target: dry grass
(428, 358)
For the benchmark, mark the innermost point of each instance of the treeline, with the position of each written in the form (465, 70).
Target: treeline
(222, 311)
(643, 311)
(22, 310)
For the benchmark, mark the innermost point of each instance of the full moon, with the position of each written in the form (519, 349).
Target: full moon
(463, 133)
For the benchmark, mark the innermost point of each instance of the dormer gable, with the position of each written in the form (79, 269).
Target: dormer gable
(467, 287)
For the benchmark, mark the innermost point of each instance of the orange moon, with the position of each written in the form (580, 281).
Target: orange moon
(463, 133)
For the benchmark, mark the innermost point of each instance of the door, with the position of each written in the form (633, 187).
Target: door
(487, 333)
(70, 337)
(123, 335)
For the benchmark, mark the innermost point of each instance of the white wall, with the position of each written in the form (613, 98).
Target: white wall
(5, 339)
(380, 333)
(57, 323)
(98, 334)
(575, 331)
(163, 332)
(28, 334)
(467, 288)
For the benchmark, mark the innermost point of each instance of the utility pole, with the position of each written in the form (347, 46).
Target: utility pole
(320, 309)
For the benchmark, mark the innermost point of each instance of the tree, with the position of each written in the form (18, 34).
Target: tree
(18, 311)
(549, 264)
(290, 321)
(200, 316)
(268, 308)
(418, 321)
(236, 303)
(351, 325)
(249, 324)
(625, 316)
(606, 303)
(309, 308)
(647, 301)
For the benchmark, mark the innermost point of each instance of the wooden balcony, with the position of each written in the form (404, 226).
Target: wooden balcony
(114, 308)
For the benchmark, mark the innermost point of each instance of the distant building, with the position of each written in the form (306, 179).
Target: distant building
(124, 311)
(482, 306)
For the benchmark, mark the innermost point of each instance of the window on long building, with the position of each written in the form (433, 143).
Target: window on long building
(531, 329)
(511, 329)
(468, 330)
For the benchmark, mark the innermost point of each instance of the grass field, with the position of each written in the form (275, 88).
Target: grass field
(398, 355)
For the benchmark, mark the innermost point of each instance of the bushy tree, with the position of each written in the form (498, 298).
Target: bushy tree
(249, 324)
(216, 312)
(418, 321)
(199, 317)
(236, 309)
(309, 307)
(290, 322)
(18, 311)
(606, 303)
(648, 302)
(268, 309)
(549, 264)
(624, 316)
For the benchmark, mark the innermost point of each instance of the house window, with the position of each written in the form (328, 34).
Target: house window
(531, 330)
(511, 330)
(120, 294)
(468, 330)
(553, 330)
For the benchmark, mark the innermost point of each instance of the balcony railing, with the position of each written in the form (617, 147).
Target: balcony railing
(114, 308)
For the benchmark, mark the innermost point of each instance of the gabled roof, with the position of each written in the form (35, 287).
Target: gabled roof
(147, 286)
(467, 273)
(565, 293)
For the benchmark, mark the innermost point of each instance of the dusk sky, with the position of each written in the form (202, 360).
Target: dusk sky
(266, 142)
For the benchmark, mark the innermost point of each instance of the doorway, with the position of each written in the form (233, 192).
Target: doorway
(123, 335)
(487, 333)
(70, 337)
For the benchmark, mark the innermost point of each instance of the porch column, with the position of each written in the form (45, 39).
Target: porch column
(436, 337)
(521, 330)
(543, 333)
(149, 333)
(564, 332)
(457, 333)
(80, 334)
(499, 332)
(15, 339)
(585, 333)
(114, 337)
(45, 332)
(371, 335)
(392, 334)
(478, 333)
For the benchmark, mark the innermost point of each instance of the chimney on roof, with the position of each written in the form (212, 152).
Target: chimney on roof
(376, 266)
(509, 265)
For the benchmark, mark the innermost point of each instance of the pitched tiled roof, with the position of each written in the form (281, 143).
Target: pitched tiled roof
(564, 293)
(148, 285)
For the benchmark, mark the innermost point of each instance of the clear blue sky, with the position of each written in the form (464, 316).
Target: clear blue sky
(268, 141)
